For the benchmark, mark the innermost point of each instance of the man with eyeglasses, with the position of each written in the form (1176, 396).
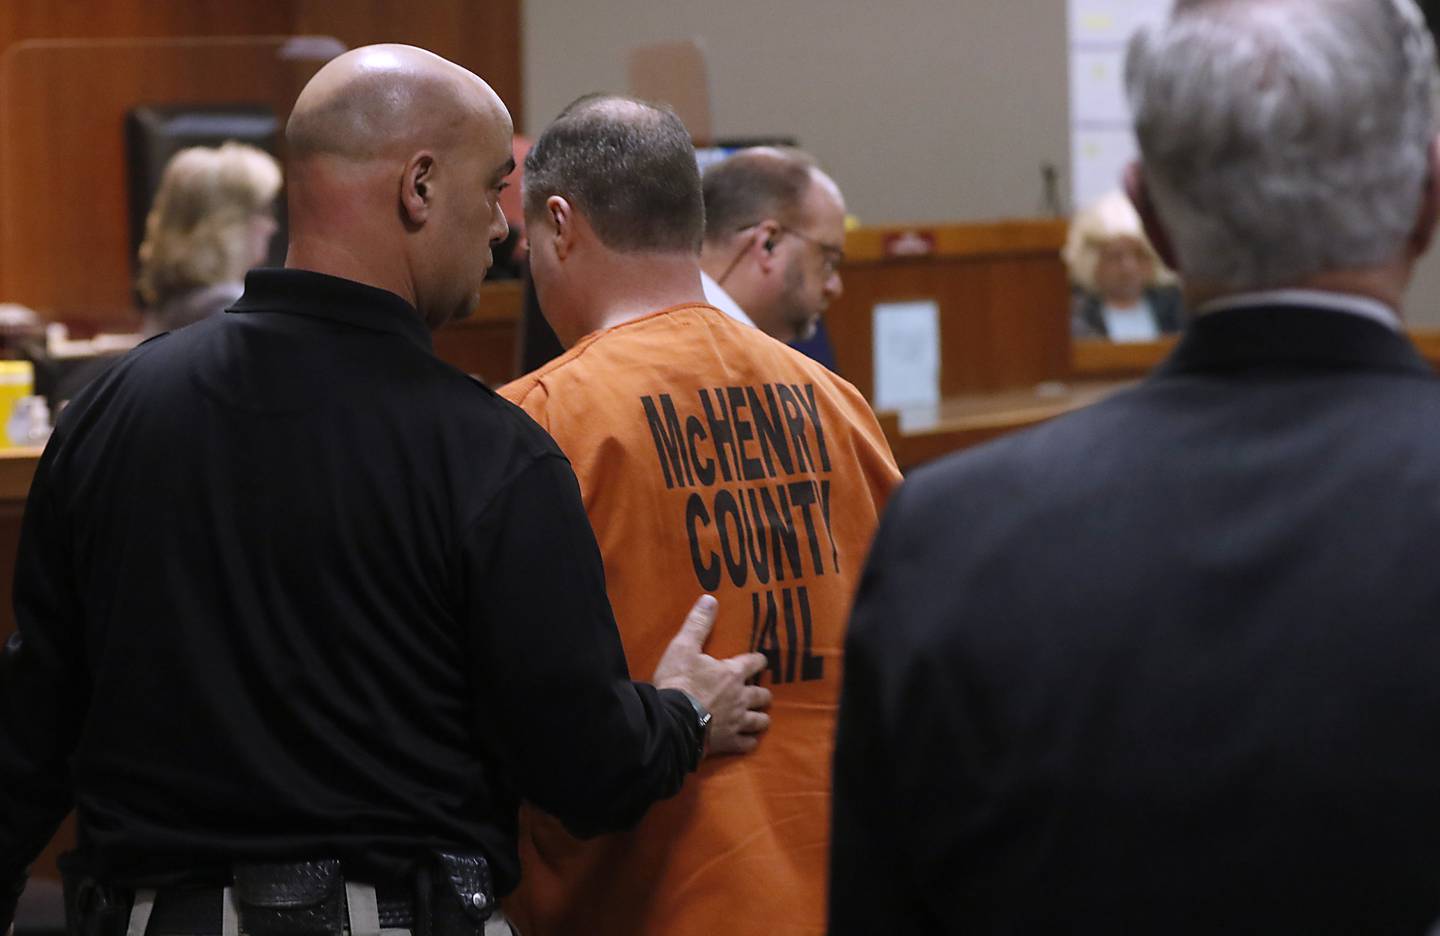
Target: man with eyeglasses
(709, 455)
(774, 240)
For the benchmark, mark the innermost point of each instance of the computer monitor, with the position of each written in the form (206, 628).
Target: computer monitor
(708, 155)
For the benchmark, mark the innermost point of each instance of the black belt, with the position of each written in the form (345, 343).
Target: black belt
(196, 911)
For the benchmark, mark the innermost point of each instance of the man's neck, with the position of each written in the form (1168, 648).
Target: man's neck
(633, 285)
(1384, 284)
(335, 259)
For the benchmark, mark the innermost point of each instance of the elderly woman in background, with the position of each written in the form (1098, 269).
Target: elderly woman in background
(1123, 291)
(212, 220)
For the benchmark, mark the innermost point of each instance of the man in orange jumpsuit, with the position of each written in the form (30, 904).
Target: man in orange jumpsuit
(708, 454)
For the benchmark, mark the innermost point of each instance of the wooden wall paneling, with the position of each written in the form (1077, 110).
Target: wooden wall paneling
(1002, 294)
(848, 320)
(65, 250)
(1027, 320)
(64, 239)
(482, 35)
(969, 359)
(108, 19)
(96, 19)
(484, 344)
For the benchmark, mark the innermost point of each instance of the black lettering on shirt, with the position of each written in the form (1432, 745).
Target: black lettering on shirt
(705, 470)
(796, 649)
(770, 430)
(803, 494)
(807, 400)
(756, 543)
(719, 419)
(829, 530)
(668, 442)
(750, 468)
(795, 422)
(706, 573)
(788, 599)
(812, 667)
(764, 637)
(782, 532)
(730, 546)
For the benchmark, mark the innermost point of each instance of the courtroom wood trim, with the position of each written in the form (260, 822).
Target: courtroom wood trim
(984, 239)
(914, 449)
(1098, 358)
(1428, 344)
(17, 470)
(500, 302)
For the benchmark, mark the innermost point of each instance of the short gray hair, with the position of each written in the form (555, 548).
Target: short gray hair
(1284, 138)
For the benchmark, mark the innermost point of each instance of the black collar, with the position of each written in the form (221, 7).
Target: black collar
(1268, 337)
(346, 302)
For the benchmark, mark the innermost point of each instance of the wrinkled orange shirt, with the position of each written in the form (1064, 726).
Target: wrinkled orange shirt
(712, 457)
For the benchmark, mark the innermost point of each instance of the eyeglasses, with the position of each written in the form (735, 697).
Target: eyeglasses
(830, 254)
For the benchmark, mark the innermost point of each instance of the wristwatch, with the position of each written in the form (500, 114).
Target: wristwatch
(702, 723)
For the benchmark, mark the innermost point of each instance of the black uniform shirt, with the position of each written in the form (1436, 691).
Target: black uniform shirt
(290, 586)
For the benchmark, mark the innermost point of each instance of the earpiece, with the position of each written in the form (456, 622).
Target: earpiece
(769, 245)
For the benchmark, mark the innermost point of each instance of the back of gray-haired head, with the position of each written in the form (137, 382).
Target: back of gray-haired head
(628, 166)
(1284, 138)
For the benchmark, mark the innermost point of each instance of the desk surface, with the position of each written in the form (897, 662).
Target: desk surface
(919, 434)
(1006, 407)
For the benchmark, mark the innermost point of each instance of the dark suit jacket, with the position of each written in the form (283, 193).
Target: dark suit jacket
(1087, 319)
(1168, 665)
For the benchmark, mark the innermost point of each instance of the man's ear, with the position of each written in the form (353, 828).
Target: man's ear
(560, 217)
(1424, 232)
(765, 240)
(1139, 194)
(417, 194)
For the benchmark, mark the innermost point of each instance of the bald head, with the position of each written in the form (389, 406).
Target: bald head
(376, 100)
(397, 158)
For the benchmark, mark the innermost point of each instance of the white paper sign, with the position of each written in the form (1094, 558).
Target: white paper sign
(907, 354)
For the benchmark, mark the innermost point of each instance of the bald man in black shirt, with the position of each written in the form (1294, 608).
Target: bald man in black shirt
(291, 590)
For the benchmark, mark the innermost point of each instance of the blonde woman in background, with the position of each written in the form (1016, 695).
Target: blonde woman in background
(1123, 291)
(212, 220)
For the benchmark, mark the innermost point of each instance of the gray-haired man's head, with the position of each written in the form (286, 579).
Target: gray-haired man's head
(1282, 139)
